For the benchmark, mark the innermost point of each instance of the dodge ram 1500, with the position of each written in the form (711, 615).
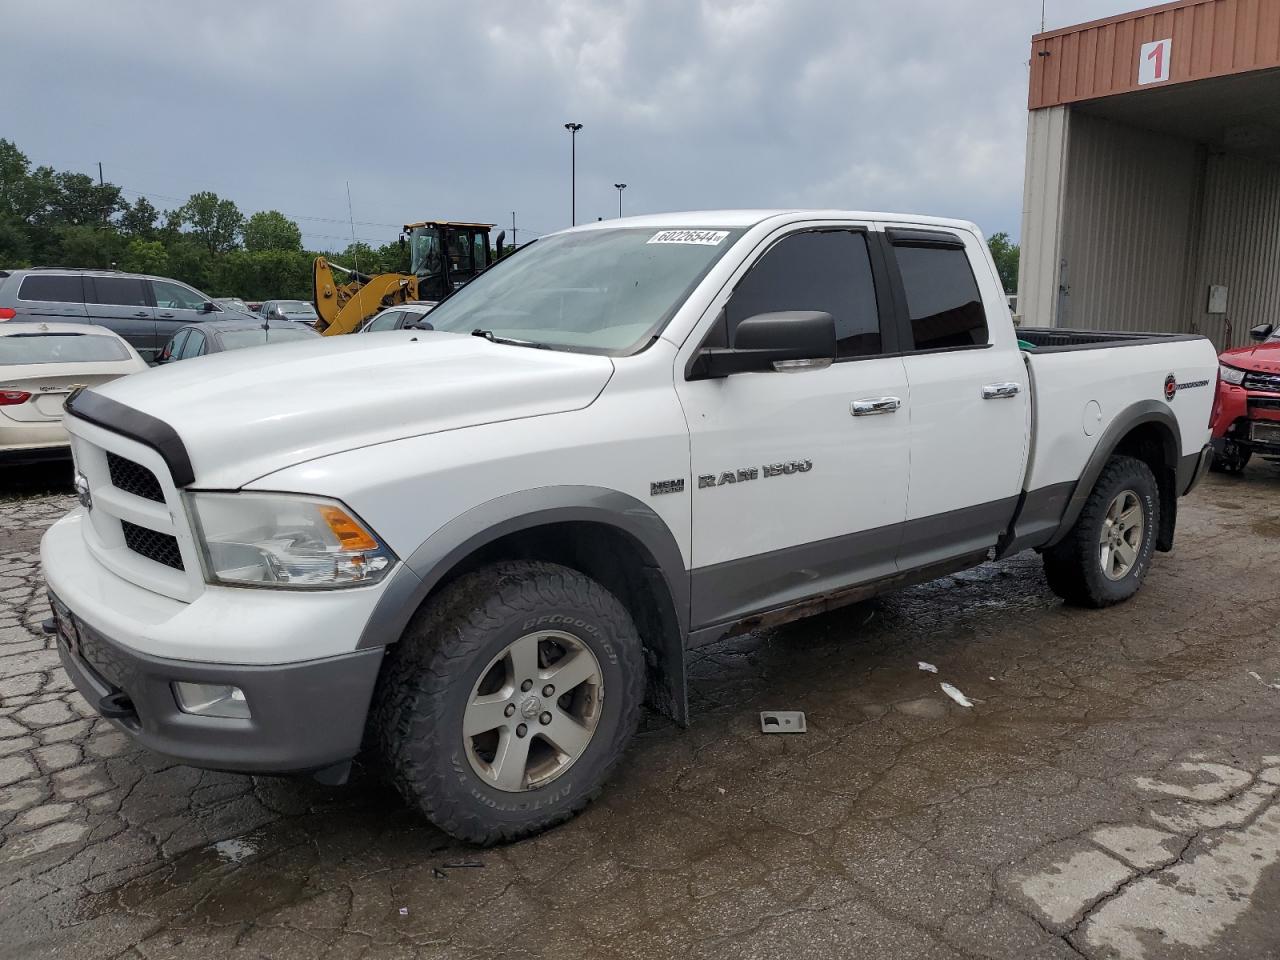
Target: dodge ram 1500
(622, 441)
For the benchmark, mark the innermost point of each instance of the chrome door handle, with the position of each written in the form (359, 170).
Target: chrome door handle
(998, 391)
(142, 313)
(874, 405)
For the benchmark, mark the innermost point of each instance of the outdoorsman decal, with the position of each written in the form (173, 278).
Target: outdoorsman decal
(745, 474)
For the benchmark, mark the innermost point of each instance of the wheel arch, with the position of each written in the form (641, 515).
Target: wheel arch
(1149, 432)
(605, 534)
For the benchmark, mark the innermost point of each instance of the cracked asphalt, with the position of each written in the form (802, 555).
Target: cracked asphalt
(1111, 793)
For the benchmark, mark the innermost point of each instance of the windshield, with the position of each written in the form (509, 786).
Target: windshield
(424, 251)
(600, 291)
(297, 308)
(60, 348)
(236, 339)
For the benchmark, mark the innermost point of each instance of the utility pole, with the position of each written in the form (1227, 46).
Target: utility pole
(573, 129)
(620, 187)
(513, 230)
(100, 184)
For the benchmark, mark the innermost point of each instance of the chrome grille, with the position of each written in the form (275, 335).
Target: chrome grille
(133, 478)
(1262, 381)
(152, 544)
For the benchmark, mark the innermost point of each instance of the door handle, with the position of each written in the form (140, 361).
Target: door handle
(143, 313)
(166, 316)
(999, 391)
(874, 405)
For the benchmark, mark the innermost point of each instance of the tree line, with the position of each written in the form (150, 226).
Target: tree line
(60, 218)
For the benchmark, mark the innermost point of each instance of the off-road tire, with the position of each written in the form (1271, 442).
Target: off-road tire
(429, 675)
(1073, 566)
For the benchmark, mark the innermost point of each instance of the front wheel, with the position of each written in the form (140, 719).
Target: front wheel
(1106, 555)
(509, 699)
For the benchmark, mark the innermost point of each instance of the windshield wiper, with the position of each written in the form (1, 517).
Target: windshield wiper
(494, 338)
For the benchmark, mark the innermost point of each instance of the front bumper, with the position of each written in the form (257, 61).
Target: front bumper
(305, 716)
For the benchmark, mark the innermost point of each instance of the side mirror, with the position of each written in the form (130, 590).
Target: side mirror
(1262, 331)
(209, 307)
(419, 325)
(789, 341)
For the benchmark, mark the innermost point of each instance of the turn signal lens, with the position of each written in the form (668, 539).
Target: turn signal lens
(9, 398)
(7, 313)
(350, 534)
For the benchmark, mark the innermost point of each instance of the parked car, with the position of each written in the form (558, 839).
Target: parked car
(218, 336)
(234, 305)
(145, 310)
(397, 318)
(40, 364)
(1246, 414)
(295, 311)
(627, 440)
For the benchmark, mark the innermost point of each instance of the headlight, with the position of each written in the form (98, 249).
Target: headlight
(284, 541)
(1230, 374)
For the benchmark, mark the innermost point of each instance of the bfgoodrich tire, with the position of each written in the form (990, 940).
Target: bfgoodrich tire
(1107, 554)
(509, 699)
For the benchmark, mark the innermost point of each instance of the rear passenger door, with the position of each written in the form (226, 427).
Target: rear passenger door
(57, 296)
(970, 409)
(799, 478)
(123, 304)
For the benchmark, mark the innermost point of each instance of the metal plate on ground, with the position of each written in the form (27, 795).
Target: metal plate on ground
(782, 721)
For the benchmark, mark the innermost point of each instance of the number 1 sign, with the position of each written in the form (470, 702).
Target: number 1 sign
(1153, 61)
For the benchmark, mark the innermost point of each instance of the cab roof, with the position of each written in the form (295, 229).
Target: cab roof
(699, 219)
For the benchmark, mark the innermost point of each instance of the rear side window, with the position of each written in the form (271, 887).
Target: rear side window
(385, 321)
(826, 270)
(118, 292)
(943, 301)
(48, 288)
(60, 348)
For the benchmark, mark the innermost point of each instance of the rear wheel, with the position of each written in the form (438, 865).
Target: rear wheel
(1105, 557)
(509, 700)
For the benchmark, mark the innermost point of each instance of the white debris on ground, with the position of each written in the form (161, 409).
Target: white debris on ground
(928, 667)
(236, 849)
(956, 695)
(1273, 686)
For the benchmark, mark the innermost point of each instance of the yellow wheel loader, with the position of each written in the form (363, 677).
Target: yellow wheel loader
(443, 255)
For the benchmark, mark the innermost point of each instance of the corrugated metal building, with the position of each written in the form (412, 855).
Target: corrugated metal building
(1153, 172)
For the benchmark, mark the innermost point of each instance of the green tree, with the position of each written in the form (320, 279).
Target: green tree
(80, 200)
(83, 245)
(212, 221)
(16, 192)
(139, 220)
(145, 256)
(15, 248)
(1005, 253)
(271, 230)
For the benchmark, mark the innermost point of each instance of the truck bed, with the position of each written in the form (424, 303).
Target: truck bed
(1059, 339)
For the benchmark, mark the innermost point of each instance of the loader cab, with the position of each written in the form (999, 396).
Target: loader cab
(444, 255)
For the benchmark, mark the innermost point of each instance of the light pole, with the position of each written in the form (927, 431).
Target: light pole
(620, 187)
(573, 129)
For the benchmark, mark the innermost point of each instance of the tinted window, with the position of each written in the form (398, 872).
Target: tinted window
(174, 296)
(236, 339)
(385, 321)
(828, 271)
(51, 288)
(60, 348)
(942, 297)
(193, 347)
(117, 291)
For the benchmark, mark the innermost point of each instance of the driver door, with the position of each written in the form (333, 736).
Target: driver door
(176, 306)
(798, 489)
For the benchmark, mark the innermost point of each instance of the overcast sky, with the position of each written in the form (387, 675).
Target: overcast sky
(456, 110)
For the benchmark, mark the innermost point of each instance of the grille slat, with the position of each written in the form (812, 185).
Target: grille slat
(160, 547)
(133, 478)
(1262, 381)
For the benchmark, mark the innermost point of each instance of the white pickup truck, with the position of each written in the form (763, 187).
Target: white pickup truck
(485, 544)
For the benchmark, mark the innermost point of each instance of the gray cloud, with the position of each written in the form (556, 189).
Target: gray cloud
(456, 110)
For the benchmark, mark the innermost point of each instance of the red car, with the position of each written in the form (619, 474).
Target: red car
(1246, 411)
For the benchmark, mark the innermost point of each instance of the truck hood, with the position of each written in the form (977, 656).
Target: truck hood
(1261, 357)
(246, 413)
